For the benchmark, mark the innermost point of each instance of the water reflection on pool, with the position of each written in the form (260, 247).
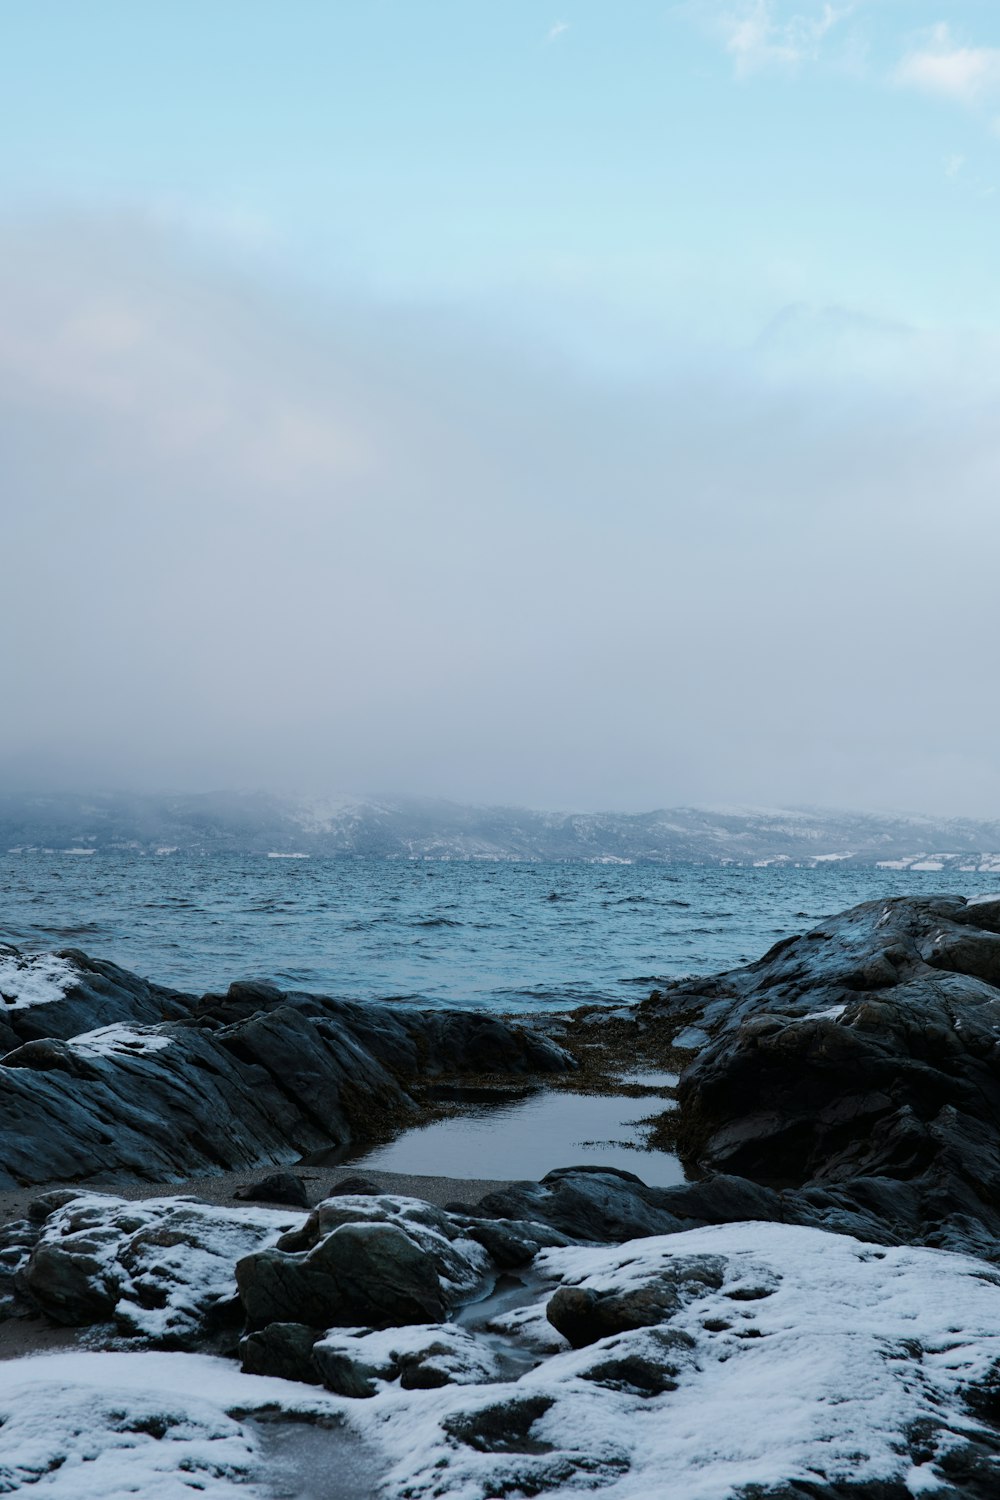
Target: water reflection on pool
(526, 1138)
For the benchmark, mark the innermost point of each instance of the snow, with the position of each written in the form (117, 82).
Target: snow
(174, 1253)
(80, 1426)
(846, 1349)
(33, 980)
(818, 1359)
(467, 1360)
(106, 1041)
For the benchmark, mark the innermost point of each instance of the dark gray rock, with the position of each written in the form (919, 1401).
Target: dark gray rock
(253, 1077)
(353, 1187)
(855, 1072)
(71, 1284)
(605, 1206)
(649, 1367)
(362, 1273)
(347, 1375)
(584, 1316)
(420, 1358)
(97, 993)
(505, 1428)
(378, 1262)
(161, 1270)
(281, 1349)
(277, 1187)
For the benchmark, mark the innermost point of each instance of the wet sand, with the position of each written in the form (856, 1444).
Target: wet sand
(220, 1187)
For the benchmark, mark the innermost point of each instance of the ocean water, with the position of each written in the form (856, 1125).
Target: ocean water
(499, 935)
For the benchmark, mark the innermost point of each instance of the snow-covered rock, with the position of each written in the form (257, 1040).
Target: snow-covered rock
(161, 1270)
(381, 1261)
(819, 1361)
(805, 1364)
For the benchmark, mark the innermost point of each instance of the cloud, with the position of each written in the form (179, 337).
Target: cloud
(556, 30)
(253, 539)
(939, 65)
(760, 34)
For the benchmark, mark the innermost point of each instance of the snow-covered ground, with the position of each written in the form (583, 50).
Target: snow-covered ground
(787, 1354)
(105, 1426)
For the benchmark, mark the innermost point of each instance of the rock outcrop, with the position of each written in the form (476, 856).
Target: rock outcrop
(860, 1063)
(256, 1076)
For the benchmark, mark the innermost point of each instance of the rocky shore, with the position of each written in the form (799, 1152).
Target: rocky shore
(814, 1313)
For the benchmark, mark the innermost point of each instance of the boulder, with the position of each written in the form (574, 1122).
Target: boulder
(276, 1187)
(855, 1070)
(420, 1358)
(162, 1270)
(583, 1315)
(281, 1349)
(367, 1261)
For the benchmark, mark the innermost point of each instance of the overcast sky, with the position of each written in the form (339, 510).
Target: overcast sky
(589, 407)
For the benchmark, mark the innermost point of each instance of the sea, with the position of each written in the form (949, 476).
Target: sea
(504, 936)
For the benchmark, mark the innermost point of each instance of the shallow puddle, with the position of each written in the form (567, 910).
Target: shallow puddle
(305, 1461)
(651, 1078)
(524, 1139)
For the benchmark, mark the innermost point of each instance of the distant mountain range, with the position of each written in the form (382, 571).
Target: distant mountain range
(418, 828)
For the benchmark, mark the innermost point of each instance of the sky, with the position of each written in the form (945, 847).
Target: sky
(585, 406)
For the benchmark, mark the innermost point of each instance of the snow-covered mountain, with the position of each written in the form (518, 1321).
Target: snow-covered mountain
(420, 828)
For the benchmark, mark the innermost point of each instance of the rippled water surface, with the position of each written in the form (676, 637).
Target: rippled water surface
(509, 936)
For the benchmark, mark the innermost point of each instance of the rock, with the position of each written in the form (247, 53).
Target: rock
(162, 1270)
(505, 1428)
(107, 1065)
(354, 1187)
(604, 1205)
(647, 1365)
(583, 1316)
(861, 1055)
(278, 1187)
(281, 1349)
(17, 1240)
(59, 995)
(70, 1284)
(372, 1261)
(420, 1358)
(362, 1273)
(507, 1246)
(348, 1375)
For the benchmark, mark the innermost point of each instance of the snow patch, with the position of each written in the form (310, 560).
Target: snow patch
(118, 1038)
(33, 980)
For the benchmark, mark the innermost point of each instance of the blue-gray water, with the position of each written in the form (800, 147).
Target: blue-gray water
(498, 935)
